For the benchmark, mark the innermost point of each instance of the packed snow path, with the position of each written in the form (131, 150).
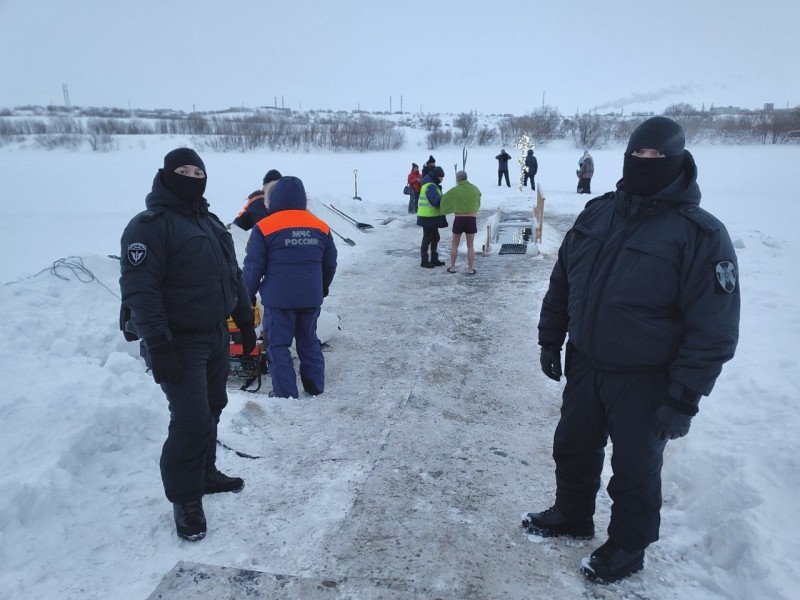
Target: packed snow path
(409, 476)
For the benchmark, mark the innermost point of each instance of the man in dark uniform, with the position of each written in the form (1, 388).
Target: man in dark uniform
(179, 282)
(646, 287)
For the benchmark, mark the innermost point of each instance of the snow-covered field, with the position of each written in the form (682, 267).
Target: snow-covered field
(411, 472)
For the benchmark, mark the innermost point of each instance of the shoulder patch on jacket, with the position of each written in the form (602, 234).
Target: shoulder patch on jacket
(725, 272)
(704, 219)
(137, 252)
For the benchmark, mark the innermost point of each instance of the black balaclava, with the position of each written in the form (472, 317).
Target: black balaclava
(646, 176)
(188, 189)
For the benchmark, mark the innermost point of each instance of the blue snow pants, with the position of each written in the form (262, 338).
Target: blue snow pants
(195, 405)
(597, 405)
(282, 326)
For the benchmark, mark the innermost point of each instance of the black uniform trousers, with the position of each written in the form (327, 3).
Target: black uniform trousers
(597, 405)
(501, 173)
(430, 239)
(531, 177)
(196, 401)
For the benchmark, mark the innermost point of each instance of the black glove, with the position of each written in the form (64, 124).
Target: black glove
(125, 325)
(670, 424)
(672, 419)
(550, 360)
(165, 363)
(248, 333)
(325, 291)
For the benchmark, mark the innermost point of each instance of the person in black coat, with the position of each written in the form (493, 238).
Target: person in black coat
(179, 282)
(429, 165)
(256, 206)
(502, 166)
(531, 168)
(646, 288)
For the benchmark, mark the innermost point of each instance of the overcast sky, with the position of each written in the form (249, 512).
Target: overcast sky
(443, 56)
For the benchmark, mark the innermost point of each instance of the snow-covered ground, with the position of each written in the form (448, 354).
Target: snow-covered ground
(411, 472)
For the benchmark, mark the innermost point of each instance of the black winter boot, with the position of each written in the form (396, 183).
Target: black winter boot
(425, 263)
(435, 260)
(216, 482)
(552, 523)
(611, 562)
(190, 520)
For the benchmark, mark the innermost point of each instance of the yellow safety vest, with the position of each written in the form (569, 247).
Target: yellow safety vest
(424, 208)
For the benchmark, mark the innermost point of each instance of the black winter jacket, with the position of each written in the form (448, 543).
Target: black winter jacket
(503, 159)
(178, 269)
(532, 164)
(647, 283)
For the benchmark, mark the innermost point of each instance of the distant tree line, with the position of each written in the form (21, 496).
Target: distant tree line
(280, 129)
(593, 130)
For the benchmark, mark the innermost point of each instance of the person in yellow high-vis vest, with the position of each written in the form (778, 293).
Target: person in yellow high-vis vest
(430, 217)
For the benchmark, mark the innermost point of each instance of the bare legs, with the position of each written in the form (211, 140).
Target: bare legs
(470, 252)
(456, 241)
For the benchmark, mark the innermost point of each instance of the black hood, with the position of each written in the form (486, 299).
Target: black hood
(683, 190)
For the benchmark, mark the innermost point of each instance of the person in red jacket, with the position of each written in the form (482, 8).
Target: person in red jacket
(414, 177)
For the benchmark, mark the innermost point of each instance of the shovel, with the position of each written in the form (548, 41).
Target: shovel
(355, 177)
(347, 241)
(361, 226)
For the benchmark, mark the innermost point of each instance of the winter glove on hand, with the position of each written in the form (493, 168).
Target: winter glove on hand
(248, 333)
(125, 324)
(669, 424)
(673, 418)
(325, 291)
(550, 360)
(165, 363)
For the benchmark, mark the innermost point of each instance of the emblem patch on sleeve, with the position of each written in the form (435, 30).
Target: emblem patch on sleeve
(725, 272)
(136, 253)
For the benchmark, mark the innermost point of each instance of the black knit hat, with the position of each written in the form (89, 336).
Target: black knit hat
(659, 133)
(272, 175)
(414, 166)
(182, 156)
(437, 172)
(431, 160)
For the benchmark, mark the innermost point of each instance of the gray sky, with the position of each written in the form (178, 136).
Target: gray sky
(444, 56)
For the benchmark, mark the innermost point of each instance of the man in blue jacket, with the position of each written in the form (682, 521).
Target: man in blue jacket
(179, 282)
(291, 261)
(430, 217)
(646, 286)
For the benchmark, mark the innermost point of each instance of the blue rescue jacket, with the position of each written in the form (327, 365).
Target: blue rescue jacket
(291, 256)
